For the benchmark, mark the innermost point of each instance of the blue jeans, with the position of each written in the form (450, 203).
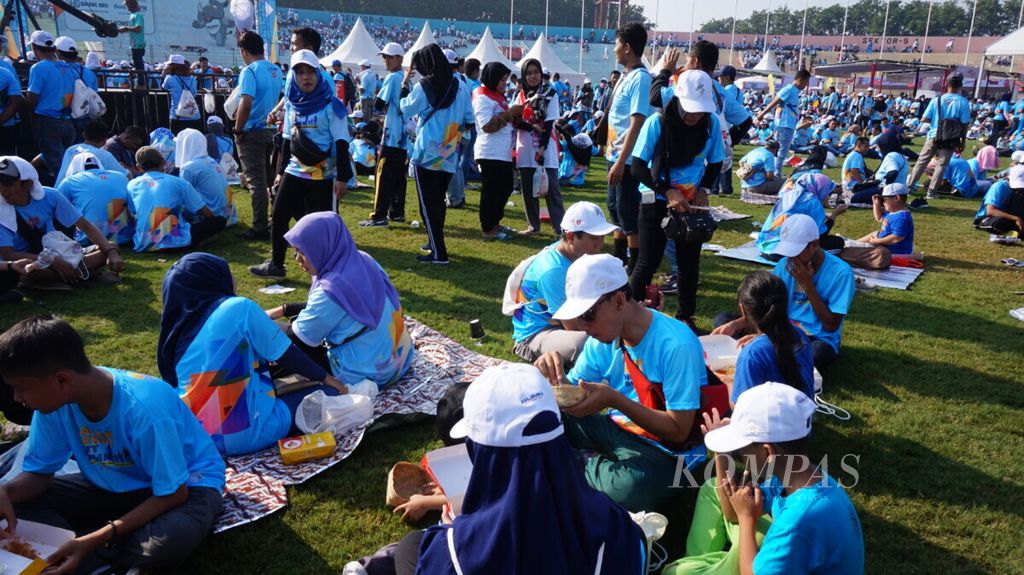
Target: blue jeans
(469, 169)
(864, 196)
(785, 138)
(53, 136)
(670, 255)
(457, 186)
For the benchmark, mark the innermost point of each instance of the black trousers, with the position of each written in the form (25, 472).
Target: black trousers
(998, 127)
(996, 225)
(431, 187)
(651, 251)
(9, 140)
(389, 199)
(178, 125)
(496, 178)
(204, 229)
(295, 198)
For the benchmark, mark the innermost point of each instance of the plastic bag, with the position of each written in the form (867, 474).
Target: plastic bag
(210, 103)
(85, 102)
(540, 183)
(231, 104)
(187, 106)
(320, 412)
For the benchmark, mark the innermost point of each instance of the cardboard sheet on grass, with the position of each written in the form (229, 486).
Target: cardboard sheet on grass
(256, 482)
(894, 278)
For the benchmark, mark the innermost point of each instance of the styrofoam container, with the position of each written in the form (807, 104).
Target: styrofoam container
(720, 351)
(44, 539)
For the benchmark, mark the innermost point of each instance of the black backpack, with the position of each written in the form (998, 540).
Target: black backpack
(950, 132)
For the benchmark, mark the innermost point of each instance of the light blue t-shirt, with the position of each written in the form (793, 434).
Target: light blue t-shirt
(632, 97)
(763, 161)
(893, 161)
(975, 166)
(805, 202)
(834, 283)
(159, 203)
(223, 378)
(107, 160)
(953, 106)
(39, 216)
(757, 364)
(542, 292)
(789, 107)
(684, 178)
(87, 76)
(102, 197)
(208, 179)
(10, 87)
(363, 153)
(137, 39)
(734, 111)
(323, 128)
(394, 121)
(176, 85)
(54, 83)
(999, 195)
(437, 138)
(959, 175)
(814, 530)
(367, 84)
(848, 141)
(669, 354)
(854, 170)
(899, 224)
(148, 440)
(382, 354)
(828, 136)
(262, 81)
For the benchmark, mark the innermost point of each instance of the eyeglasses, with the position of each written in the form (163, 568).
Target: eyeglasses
(588, 316)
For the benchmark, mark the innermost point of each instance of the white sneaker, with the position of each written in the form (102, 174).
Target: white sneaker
(353, 568)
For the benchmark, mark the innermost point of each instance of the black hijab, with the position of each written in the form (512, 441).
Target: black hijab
(492, 75)
(527, 90)
(438, 82)
(684, 142)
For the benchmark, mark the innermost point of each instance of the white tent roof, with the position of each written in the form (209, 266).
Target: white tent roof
(542, 51)
(1012, 45)
(426, 38)
(357, 47)
(487, 51)
(767, 63)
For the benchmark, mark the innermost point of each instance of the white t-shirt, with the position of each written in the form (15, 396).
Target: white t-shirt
(496, 145)
(527, 142)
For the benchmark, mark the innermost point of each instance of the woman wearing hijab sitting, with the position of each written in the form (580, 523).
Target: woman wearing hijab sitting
(315, 165)
(683, 147)
(352, 309)
(493, 149)
(527, 507)
(215, 347)
(805, 194)
(444, 113)
(196, 167)
(536, 146)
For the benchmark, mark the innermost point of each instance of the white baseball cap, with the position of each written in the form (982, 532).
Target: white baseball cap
(175, 59)
(306, 57)
(586, 217)
(895, 189)
(695, 92)
(767, 413)
(392, 49)
(797, 231)
(365, 63)
(509, 405)
(65, 44)
(357, 115)
(214, 120)
(452, 57)
(582, 140)
(589, 278)
(41, 38)
(1017, 177)
(1017, 157)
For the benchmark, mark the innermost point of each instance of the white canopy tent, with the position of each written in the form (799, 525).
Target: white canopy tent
(426, 38)
(357, 47)
(768, 64)
(542, 51)
(487, 51)
(1011, 45)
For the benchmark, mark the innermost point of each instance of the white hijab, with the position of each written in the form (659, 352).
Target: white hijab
(92, 61)
(189, 145)
(79, 162)
(8, 217)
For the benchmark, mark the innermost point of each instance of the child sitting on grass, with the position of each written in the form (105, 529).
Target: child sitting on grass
(897, 232)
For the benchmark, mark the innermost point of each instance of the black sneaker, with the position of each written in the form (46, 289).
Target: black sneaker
(253, 235)
(669, 287)
(426, 248)
(459, 206)
(918, 203)
(398, 219)
(429, 259)
(268, 270)
(373, 224)
(11, 296)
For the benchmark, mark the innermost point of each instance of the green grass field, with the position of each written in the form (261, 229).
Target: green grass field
(932, 376)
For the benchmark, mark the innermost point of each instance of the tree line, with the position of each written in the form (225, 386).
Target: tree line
(866, 17)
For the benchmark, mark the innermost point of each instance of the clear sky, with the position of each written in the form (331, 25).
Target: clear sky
(674, 15)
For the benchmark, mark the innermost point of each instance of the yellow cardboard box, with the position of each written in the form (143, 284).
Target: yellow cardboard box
(307, 447)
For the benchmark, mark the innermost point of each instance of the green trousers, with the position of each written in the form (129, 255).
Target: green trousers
(632, 471)
(708, 537)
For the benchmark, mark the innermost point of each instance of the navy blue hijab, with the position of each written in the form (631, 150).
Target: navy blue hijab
(193, 287)
(530, 510)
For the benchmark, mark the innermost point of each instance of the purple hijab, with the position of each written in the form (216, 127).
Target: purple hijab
(350, 277)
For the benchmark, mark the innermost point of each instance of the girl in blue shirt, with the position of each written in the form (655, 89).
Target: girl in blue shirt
(178, 80)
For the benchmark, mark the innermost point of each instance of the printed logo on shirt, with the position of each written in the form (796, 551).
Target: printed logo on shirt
(99, 447)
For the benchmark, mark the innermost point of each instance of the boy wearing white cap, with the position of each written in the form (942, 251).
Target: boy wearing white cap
(646, 369)
(1002, 208)
(367, 88)
(813, 525)
(820, 285)
(890, 209)
(542, 288)
(389, 195)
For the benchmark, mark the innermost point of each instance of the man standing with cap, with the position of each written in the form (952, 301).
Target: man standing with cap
(67, 53)
(949, 107)
(541, 287)
(814, 526)
(820, 286)
(652, 369)
(788, 102)
(389, 196)
(51, 86)
(136, 30)
(367, 89)
(732, 103)
(344, 87)
(204, 70)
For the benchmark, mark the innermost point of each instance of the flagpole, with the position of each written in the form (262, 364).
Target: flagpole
(583, 6)
(967, 50)
(842, 39)
(511, 24)
(885, 28)
(767, 20)
(693, 9)
(547, 11)
(1019, 18)
(927, 25)
(803, 30)
(732, 41)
